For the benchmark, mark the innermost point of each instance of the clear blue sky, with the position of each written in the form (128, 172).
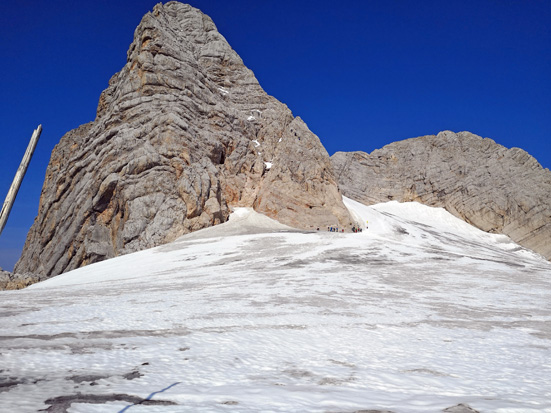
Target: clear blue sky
(361, 73)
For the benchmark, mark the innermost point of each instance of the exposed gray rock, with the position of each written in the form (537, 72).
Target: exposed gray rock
(9, 281)
(460, 408)
(183, 133)
(489, 186)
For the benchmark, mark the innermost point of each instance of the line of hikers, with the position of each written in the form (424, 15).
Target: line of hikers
(336, 229)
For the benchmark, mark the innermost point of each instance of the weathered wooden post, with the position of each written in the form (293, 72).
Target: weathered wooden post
(12, 193)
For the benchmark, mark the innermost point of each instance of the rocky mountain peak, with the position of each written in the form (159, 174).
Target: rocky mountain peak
(183, 133)
(496, 189)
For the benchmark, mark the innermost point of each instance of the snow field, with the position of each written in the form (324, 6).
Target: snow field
(415, 314)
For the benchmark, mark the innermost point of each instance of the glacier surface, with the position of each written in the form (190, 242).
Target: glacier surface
(418, 313)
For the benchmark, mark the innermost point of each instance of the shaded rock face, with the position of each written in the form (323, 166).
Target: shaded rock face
(489, 186)
(183, 133)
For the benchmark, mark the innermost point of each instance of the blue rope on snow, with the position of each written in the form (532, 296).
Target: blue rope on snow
(150, 396)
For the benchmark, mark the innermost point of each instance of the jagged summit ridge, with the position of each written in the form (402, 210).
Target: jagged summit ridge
(494, 188)
(183, 133)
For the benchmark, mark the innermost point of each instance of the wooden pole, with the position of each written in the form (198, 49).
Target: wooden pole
(12, 193)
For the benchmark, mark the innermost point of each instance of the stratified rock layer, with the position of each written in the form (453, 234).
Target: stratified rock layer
(494, 188)
(183, 133)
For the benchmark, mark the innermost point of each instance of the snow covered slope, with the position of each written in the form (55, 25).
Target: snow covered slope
(418, 313)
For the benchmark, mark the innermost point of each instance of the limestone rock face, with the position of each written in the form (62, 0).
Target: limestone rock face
(183, 133)
(9, 281)
(489, 186)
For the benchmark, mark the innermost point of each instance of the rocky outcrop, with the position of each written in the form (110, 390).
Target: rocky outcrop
(9, 281)
(183, 133)
(491, 187)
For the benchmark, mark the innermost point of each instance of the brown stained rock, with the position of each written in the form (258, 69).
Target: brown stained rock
(496, 189)
(183, 133)
(9, 281)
